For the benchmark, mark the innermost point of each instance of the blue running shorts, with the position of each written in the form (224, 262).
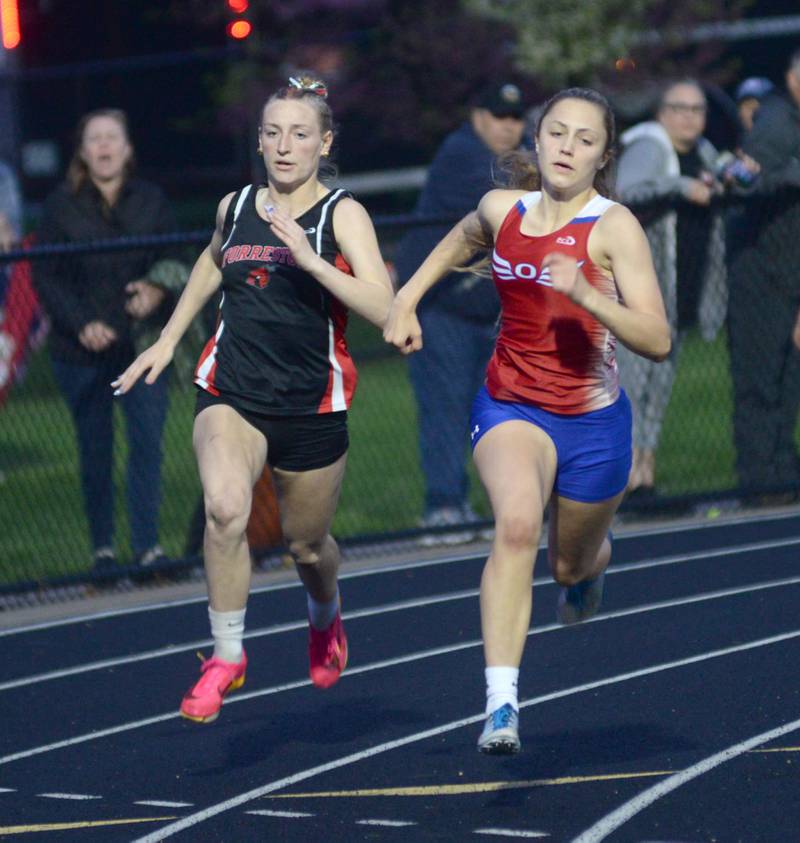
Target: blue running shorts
(593, 449)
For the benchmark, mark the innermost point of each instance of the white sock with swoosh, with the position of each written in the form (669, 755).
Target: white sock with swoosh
(227, 630)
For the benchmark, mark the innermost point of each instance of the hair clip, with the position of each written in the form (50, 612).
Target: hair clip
(314, 87)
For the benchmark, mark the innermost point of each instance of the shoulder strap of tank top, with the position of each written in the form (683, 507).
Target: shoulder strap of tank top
(529, 199)
(234, 209)
(327, 207)
(595, 207)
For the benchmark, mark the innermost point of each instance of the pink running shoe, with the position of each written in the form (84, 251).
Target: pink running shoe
(203, 700)
(327, 653)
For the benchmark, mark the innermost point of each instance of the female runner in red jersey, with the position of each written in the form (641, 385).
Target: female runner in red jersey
(574, 274)
(275, 380)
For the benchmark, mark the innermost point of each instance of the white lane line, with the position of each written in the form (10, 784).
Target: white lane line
(778, 749)
(752, 547)
(283, 586)
(389, 823)
(303, 775)
(8, 790)
(419, 655)
(101, 665)
(76, 796)
(207, 642)
(600, 830)
(380, 569)
(510, 832)
(160, 803)
(400, 606)
(289, 815)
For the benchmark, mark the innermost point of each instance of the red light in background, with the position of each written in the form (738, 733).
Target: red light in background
(238, 6)
(625, 65)
(239, 29)
(9, 23)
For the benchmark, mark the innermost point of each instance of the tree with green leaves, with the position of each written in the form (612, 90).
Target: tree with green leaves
(608, 42)
(403, 72)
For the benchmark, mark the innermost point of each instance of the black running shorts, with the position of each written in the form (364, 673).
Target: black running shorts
(294, 443)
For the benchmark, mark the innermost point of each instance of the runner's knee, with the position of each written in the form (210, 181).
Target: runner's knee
(227, 513)
(567, 572)
(569, 569)
(518, 531)
(305, 552)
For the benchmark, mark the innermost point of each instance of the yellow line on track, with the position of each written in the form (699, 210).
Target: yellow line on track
(26, 829)
(489, 787)
(475, 787)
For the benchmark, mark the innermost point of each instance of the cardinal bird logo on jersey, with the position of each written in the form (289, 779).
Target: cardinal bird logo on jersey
(258, 277)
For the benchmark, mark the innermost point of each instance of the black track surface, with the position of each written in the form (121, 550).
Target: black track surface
(695, 651)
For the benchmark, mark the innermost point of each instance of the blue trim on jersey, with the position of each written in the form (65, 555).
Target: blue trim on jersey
(520, 207)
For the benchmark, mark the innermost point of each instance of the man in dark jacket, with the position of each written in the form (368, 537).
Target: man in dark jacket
(458, 316)
(765, 299)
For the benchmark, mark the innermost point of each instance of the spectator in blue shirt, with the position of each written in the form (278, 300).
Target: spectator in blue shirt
(459, 317)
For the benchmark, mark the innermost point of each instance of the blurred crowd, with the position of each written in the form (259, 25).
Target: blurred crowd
(723, 227)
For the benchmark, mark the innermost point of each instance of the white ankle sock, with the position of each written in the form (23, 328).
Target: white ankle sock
(227, 630)
(501, 687)
(322, 615)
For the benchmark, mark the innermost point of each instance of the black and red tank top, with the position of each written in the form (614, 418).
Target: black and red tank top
(279, 347)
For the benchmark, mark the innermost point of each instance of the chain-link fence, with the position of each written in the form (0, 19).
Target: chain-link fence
(723, 434)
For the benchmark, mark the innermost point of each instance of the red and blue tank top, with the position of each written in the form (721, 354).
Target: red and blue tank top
(550, 352)
(279, 347)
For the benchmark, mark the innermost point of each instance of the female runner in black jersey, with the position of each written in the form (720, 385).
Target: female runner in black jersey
(276, 379)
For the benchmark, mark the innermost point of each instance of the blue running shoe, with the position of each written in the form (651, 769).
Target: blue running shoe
(581, 601)
(500, 735)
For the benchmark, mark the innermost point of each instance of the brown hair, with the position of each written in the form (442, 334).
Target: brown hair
(78, 172)
(312, 90)
(518, 171)
(604, 179)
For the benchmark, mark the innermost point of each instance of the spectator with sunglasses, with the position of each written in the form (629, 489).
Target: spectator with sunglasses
(667, 174)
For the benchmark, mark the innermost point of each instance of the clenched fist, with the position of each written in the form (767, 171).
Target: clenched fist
(566, 276)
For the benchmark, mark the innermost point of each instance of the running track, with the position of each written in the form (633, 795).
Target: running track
(674, 715)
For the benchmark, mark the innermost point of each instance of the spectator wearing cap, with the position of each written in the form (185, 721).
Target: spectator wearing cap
(459, 317)
(764, 311)
(749, 96)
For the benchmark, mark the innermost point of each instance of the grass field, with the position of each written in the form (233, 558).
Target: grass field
(43, 529)
(696, 449)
